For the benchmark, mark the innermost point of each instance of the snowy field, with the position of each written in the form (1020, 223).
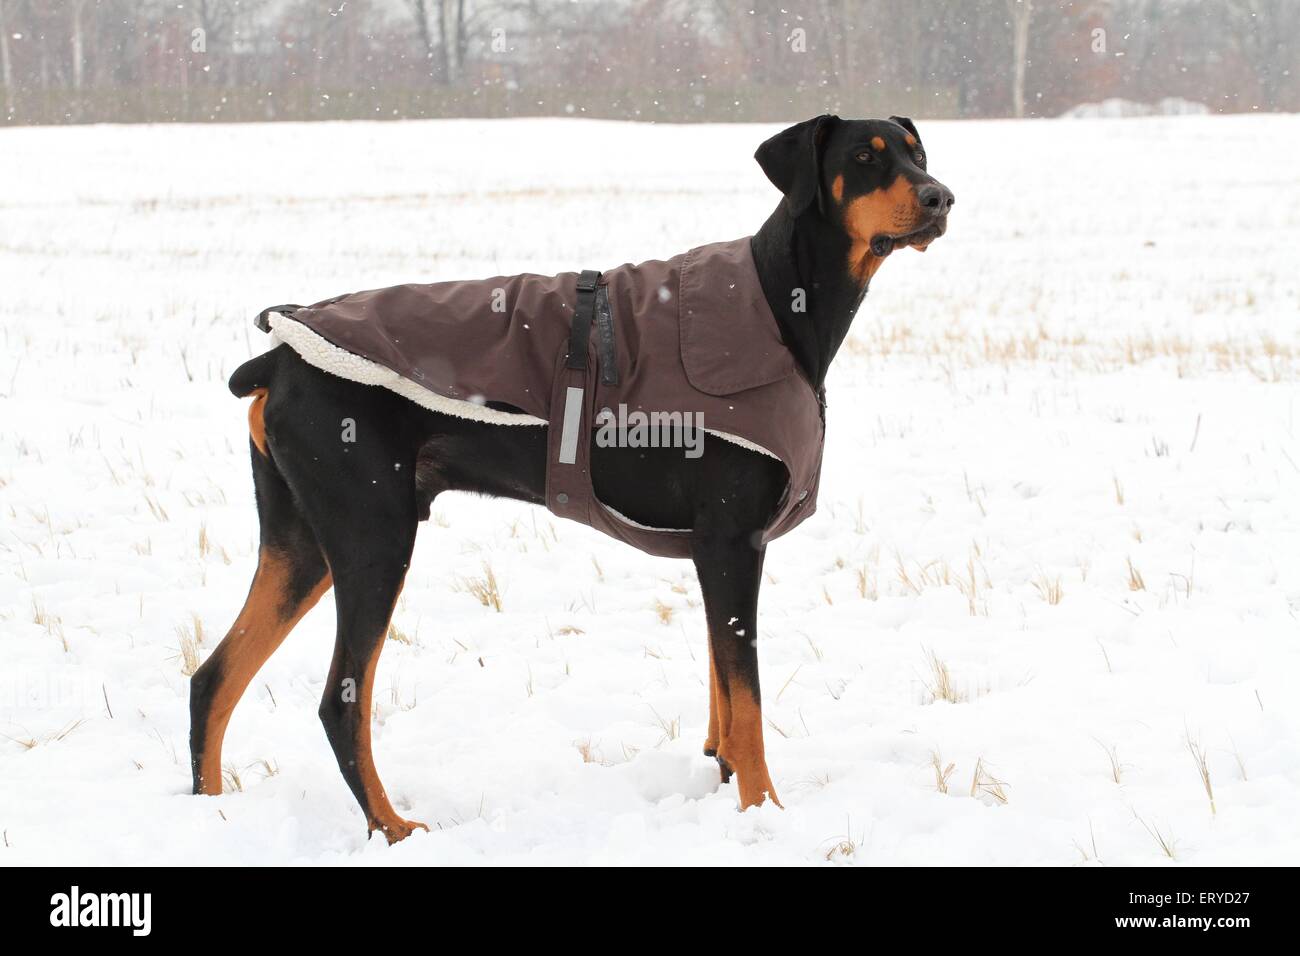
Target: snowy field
(1057, 553)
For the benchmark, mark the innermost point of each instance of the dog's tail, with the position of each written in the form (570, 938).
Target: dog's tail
(254, 374)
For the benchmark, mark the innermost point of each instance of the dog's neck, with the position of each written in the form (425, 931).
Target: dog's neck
(803, 266)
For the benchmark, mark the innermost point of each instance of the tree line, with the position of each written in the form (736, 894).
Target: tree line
(71, 61)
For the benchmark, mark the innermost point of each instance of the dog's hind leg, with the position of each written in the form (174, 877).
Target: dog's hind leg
(369, 569)
(730, 571)
(365, 597)
(291, 577)
(360, 497)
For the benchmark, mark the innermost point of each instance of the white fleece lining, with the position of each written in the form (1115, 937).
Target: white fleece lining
(636, 524)
(328, 357)
(742, 442)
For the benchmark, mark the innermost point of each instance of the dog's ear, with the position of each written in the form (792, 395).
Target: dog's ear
(907, 124)
(792, 160)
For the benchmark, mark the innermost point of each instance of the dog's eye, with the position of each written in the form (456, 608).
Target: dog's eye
(920, 157)
(866, 157)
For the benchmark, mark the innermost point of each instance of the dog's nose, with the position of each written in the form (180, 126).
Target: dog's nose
(936, 197)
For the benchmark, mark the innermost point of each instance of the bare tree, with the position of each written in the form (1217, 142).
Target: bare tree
(435, 50)
(76, 12)
(462, 37)
(1267, 31)
(1021, 12)
(6, 68)
(443, 59)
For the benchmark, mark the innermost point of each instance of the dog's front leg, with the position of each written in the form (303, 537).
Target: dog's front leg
(730, 570)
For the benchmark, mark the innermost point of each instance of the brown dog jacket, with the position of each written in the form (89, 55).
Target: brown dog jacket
(689, 340)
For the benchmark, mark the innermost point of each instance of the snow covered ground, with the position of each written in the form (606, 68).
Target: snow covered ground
(1063, 469)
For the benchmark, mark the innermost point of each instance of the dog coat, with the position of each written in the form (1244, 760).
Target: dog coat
(691, 337)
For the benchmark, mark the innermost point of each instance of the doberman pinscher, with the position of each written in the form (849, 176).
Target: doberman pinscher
(342, 515)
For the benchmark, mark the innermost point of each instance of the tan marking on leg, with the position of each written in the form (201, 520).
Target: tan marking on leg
(256, 421)
(711, 741)
(262, 625)
(741, 721)
(380, 814)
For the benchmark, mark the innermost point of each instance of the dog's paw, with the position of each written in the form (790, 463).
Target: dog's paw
(723, 768)
(397, 829)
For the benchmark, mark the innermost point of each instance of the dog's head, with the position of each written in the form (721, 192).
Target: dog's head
(866, 178)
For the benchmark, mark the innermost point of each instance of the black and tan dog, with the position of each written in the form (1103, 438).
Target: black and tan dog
(345, 516)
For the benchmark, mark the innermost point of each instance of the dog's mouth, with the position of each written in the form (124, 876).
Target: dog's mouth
(920, 239)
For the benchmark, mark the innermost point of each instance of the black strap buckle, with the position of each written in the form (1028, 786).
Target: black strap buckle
(583, 313)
